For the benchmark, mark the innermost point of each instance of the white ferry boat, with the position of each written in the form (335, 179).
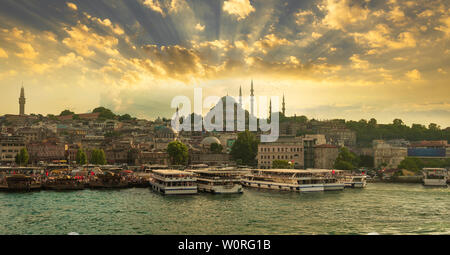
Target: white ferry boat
(173, 182)
(435, 176)
(293, 180)
(355, 181)
(219, 181)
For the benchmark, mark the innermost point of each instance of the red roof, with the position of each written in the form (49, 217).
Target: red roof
(440, 143)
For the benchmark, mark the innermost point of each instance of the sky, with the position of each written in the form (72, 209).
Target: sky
(352, 59)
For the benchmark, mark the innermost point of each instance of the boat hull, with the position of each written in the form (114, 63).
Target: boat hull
(221, 189)
(435, 182)
(187, 190)
(333, 186)
(280, 186)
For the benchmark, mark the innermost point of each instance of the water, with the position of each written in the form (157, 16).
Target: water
(377, 209)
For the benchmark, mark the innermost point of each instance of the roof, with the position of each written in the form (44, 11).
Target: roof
(325, 146)
(171, 172)
(210, 140)
(429, 143)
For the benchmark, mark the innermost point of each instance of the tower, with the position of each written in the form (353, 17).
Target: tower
(22, 101)
(252, 99)
(284, 108)
(240, 95)
(270, 109)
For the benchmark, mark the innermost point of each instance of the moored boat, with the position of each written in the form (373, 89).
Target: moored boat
(19, 182)
(354, 181)
(63, 183)
(292, 180)
(435, 177)
(173, 182)
(219, 181)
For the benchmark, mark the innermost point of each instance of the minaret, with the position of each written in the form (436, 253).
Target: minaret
(252, 100)
(240, 95)
(270, 109)
(284, 108)
(22, 101)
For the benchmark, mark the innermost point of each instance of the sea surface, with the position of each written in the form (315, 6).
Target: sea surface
(380, 208)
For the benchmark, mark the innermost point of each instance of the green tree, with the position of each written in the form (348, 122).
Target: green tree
(81, 157)
(178, 152)
(216, 148)
(23, 156)
(411, 164)
(346, 160)
(94, 157)
(104, 113)
(66, 112)
(101, 160)
(245, 148)
(281, 164)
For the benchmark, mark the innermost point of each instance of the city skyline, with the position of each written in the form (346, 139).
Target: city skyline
(331, 59)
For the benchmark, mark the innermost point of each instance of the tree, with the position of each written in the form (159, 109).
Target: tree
(366, 161)
(66, 112)
(216, 148)
(346, 160)
(281, 164)
(81, 157)
(98, 157)
(411, 164)
(104, 113)
(397, 122)
(245, 148)
(178, 152)
(101, 160)
(23, 156)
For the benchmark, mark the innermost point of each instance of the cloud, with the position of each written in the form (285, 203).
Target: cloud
(3, 53)
(413, 74)
(199, 27)
(86, 42)
(155, 6)
(239, 8)
(303, 16)
(72, 6)
(28, 51)
(340, 13)
(269, 42)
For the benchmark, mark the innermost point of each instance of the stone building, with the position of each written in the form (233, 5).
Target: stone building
(9, 147)
(388, 154)
(325, 155)
(288, 148)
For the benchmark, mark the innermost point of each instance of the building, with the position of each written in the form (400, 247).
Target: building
(325, 155)
(309, 143)
(288, 148)
(46, 151)
(388, 154)
(429, 149)
(10, 146)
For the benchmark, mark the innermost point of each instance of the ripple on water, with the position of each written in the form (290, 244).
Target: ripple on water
(380, 208)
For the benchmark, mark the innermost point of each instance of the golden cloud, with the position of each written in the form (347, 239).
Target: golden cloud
(340, 13)
(239, 8)
(83, 40)
(72, 6)
(269, 42)
(3, 53)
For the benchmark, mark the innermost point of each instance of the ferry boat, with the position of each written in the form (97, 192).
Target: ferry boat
(435, 176)
(219, 181)
(173, 182)
(292, 179)
(107, 180)
(355, 181)
(63, 183)
(21, 182)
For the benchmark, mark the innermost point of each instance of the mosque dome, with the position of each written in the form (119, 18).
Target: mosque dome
(210, 140)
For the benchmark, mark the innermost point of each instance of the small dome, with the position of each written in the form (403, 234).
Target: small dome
(210, 140)
(165, 130)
